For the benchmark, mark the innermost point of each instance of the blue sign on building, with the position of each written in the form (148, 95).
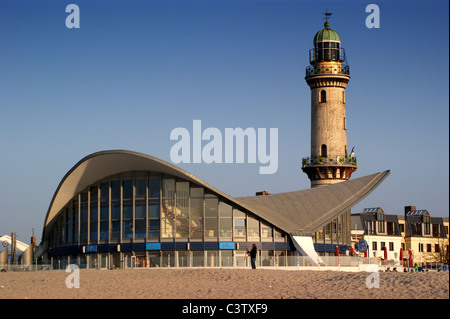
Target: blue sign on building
(226, 245)
(90, 248)
(153, 246)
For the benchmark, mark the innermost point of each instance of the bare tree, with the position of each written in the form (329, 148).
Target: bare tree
(440, 255)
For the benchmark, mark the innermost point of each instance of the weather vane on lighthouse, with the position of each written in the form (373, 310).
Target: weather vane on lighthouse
(327, 15)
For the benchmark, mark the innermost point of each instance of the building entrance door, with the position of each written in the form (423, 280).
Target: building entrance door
(241, 261)
(138, 260)
(153, 259)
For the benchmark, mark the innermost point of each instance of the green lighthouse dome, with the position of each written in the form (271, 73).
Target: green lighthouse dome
(326, 34)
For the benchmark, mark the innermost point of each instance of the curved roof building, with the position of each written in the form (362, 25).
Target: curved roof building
(126, 209)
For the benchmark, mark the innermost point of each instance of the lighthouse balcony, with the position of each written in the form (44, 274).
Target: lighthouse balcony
(343, 69)
(341, 160)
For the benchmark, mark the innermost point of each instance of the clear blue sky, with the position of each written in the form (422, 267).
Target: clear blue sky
(136, 70)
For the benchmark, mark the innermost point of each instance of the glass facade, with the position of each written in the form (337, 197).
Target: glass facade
(148, 219)
(336, 232)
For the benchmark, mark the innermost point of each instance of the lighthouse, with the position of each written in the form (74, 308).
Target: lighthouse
(327, 76)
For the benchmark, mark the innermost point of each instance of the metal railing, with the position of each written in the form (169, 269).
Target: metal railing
(338, 160)
(343, 69)
(236, 261)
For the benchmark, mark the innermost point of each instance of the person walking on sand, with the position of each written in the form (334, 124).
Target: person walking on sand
(253, 256)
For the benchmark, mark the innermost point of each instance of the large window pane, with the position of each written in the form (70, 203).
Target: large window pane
(253, 227)
(115, 213)
(197, 192)
(104, 192)
(127, 220)
(69, 225)
(267, 258)
(210, 227)
(140, 215)
(104, 230)
(182, 217)
(104, 211)
(75, 220)
(127, 209)
(140, 229)
(140, 209)
(239, 228)
(225, 210)
(211, 215)
(226, 258)
(198, 258)
(182, 189)
(84, 218)
(278, 235)
(183, 259)
(127, 230)
(238, 214)
(115, 190)
(211, 206)
(167, 219)
(168, 258)
(196, 217)
(226, 221)
(212, 258)
(115, 229)
(153, 229)
(266, 230)
(168, 187)
(127, 189)
(153, 208)
(93, 214)
(115, 208)
(154, 186)
(141, 187)
(226, 227)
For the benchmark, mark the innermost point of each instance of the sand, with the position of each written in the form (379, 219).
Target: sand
(221, 283)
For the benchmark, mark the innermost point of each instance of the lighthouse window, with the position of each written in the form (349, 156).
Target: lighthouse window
(323, 96)
(323, 150)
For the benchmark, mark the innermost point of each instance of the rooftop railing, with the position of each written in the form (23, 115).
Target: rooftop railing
(338, 160)
(311, 70)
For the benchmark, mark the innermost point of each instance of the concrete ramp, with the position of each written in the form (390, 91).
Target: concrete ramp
(305, 246)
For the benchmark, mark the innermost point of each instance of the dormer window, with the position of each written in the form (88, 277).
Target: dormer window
(426, 224)
(381, 221)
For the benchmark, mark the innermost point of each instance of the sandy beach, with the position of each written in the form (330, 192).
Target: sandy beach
(222, 284)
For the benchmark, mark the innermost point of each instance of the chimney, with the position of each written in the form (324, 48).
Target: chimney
(262, 193)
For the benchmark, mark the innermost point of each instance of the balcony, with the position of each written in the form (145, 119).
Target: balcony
(330, 161)
(344, 69)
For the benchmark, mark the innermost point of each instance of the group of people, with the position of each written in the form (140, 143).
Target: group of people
(405, 269)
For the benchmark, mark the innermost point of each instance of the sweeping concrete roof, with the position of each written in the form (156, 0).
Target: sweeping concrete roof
(293, 212)
(307, 210)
